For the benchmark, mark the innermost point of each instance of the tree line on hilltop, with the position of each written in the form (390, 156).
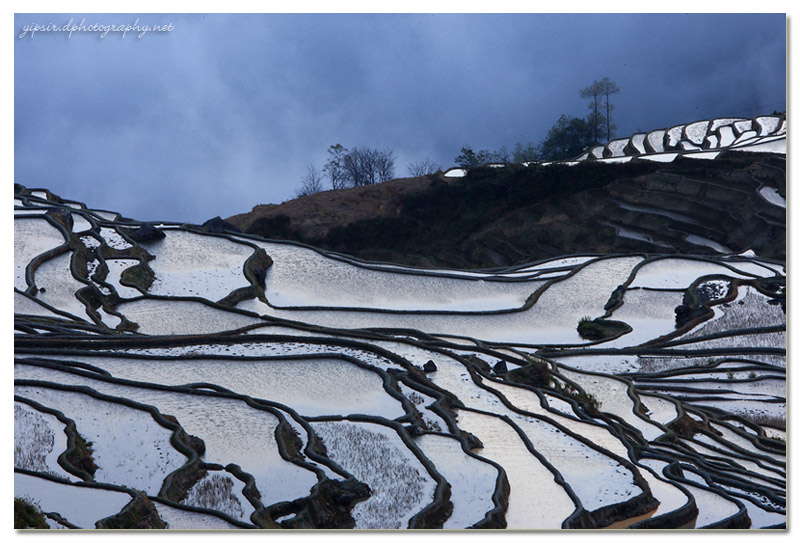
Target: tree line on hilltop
(358, 167)
(567, 138)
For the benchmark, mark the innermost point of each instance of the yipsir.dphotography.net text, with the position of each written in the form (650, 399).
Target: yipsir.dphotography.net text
(103, 30)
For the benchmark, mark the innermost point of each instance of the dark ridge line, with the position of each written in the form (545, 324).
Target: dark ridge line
(202, 510)
(710, 368)
(387, 379)
(614, 425)
(702, 400)
(636, 350)
(720, 445)
(728, 458)
(725, 457)
(684, 377)
(53, 328)
(527, 305)
(236, 237)
(144, 342)
(724, 334)
(724, 417)
(687, 381)
(705, 395)
(740, 494)
(68, 363)
(763, 443)
(491, 274)
(77, 321)
(385, 266)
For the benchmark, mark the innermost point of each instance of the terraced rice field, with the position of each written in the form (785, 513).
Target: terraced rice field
(223, 381)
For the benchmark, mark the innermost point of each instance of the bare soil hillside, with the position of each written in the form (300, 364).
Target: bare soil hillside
(314, 216)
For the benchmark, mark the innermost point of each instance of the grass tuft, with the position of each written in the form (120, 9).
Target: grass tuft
(28, 515)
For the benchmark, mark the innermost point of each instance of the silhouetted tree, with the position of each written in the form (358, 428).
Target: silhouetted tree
(501, 156)
(423, 167)
(595, 120)
(310, 183)
(367, 166)
(566, 139)
(599, 94)
(607, 88)
(470, 159)
(526, 153)
(334, 168)
(385, 165)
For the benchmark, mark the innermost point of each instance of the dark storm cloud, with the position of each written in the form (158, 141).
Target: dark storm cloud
(226, 111)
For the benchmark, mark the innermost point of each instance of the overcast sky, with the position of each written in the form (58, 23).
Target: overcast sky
(224, 112)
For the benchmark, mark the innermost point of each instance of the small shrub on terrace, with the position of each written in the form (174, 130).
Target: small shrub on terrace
(27, 515)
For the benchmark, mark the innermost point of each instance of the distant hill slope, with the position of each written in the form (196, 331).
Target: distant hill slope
(505, 216)
(314, 216)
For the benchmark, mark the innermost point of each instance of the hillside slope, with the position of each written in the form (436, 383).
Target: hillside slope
(507, 216)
